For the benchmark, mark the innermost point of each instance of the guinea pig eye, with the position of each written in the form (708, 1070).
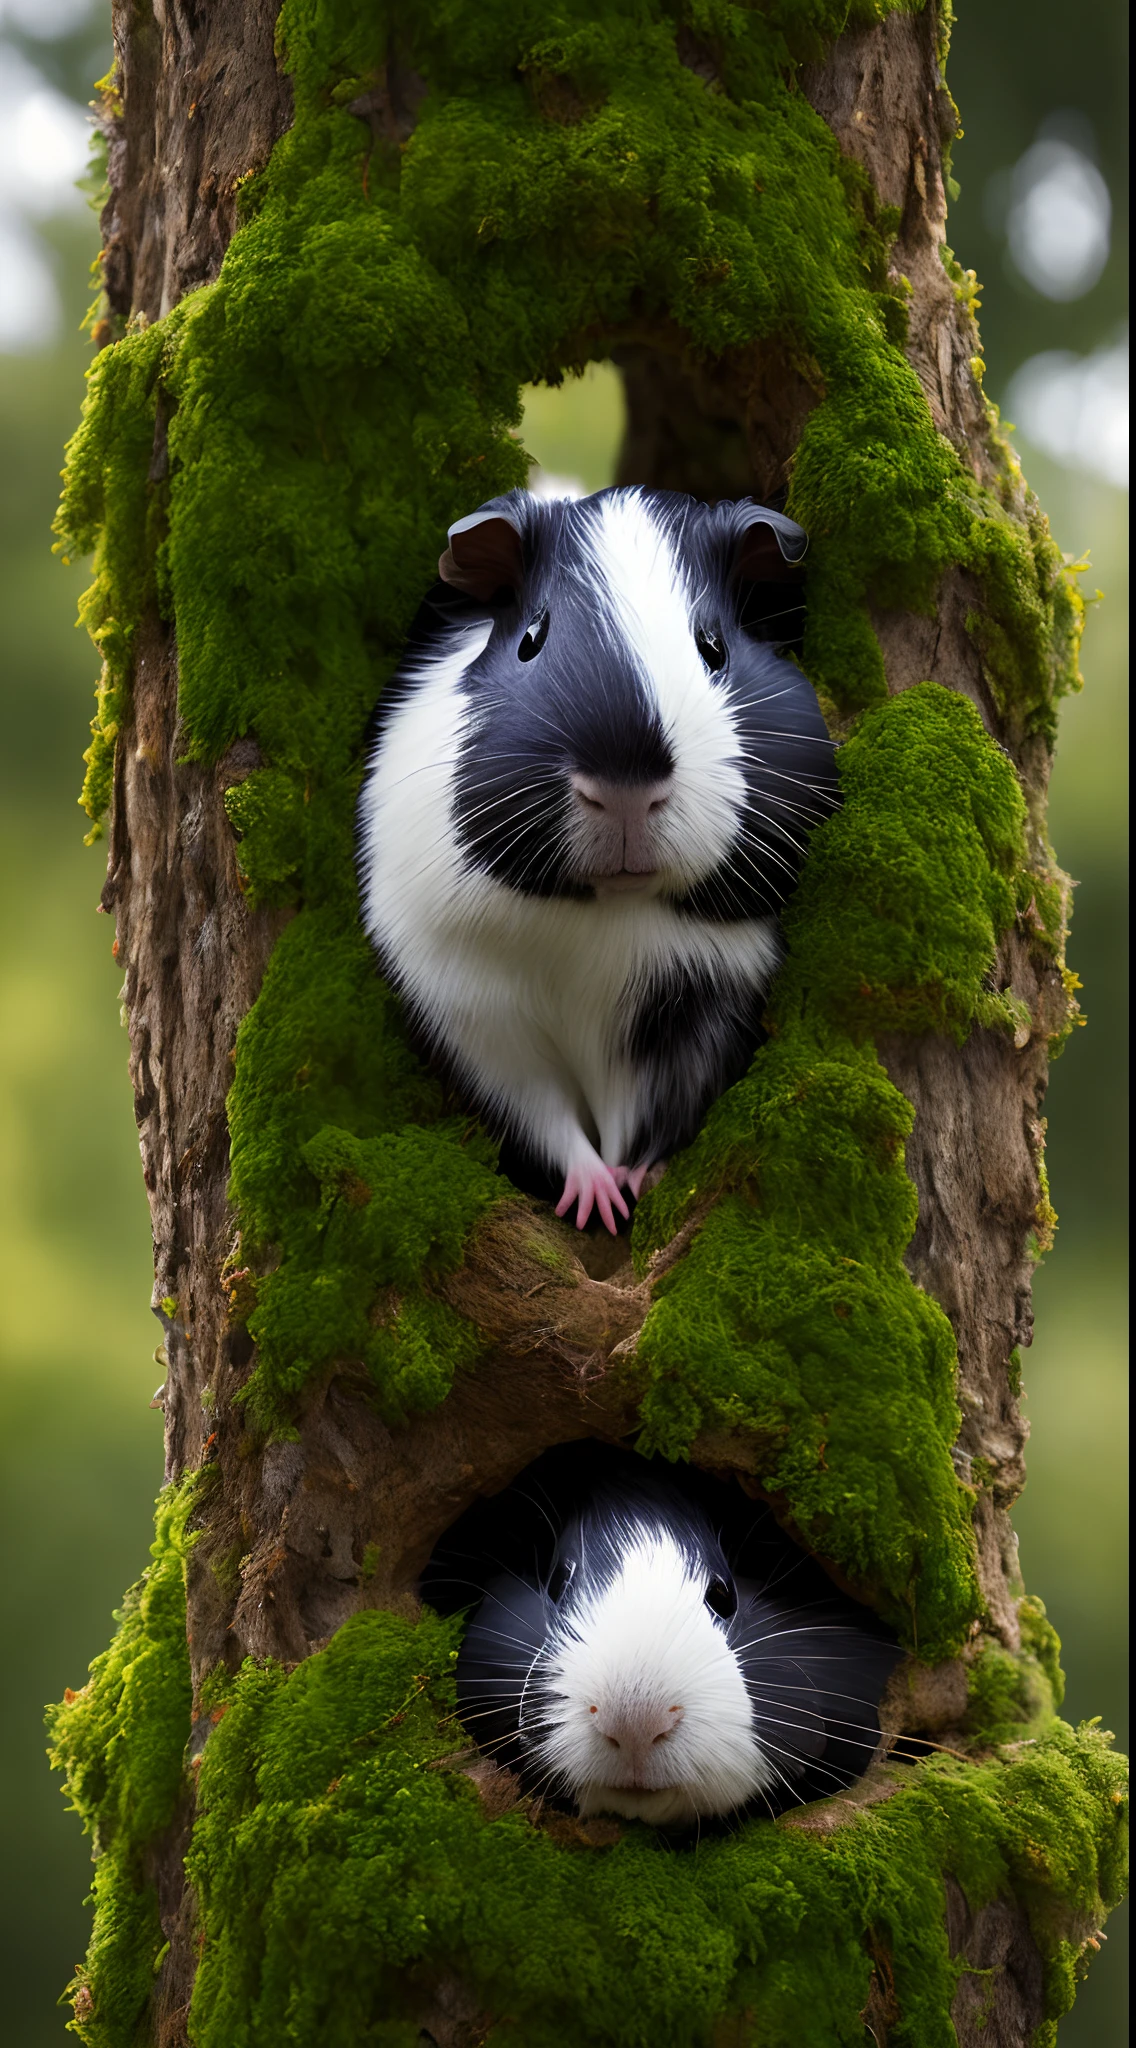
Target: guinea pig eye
(722, 1599)
(534, 636)
(711, 647)
(559, 1582)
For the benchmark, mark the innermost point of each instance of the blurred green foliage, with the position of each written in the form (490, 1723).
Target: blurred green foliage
(80, 1452)
(1013, 64)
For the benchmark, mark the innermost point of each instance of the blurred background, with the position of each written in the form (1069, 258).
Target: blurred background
(1042, 218)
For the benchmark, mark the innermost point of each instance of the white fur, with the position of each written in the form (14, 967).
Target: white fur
(527, 995)
(645, 589)
(638, 1705)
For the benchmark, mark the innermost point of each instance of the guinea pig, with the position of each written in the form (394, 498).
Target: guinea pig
(638, 1671)
(586, 795)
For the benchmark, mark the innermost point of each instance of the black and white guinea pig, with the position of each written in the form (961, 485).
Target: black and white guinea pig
(636, 1670)
(587, 794)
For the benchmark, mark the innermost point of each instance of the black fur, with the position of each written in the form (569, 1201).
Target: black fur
(814, 1662)
(577, 703)
(693, 1036)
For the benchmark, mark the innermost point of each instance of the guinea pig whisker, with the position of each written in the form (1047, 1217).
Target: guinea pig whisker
(424, 768)
(817, 1768)
(837, 1779)
(787, 612)
(740, 847)
(802, 1614)
(750, 838)
(785, 1782)
(513, 818)
(508, 798)
(557, 847)
(747, 848)
(786, 803)
(482, 838)
(853, 1699)
(445, 853)
(514, 1642)
(542, 1510)
(501, 1702)
(781, 802)
(778, 732)
(837, 1724)
(778, 825)
(550, 1781)
(778, 1635)
(832, 1722)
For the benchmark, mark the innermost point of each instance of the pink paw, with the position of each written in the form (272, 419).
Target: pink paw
(592, 1185)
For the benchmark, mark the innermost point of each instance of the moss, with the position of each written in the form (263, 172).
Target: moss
(120, 1740)
(272, 467)
(339, 1845)
(336, 1848)
(327, 1167)
(1040, 1641)
(910, 886)
(114, 512)
(274, 463)
(1014, 1698)
(793, 1317)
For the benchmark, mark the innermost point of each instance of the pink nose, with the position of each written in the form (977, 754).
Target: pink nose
(620, 815)
(636, 1730)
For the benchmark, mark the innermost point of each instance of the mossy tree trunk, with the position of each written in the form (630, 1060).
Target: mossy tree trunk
(318, 1499)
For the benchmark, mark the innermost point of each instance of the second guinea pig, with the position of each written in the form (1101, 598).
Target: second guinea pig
(587, 794)
(658, 1659)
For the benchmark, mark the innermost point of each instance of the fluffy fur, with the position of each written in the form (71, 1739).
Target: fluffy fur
(629, 1665)
(585, 798)
(636, 1702)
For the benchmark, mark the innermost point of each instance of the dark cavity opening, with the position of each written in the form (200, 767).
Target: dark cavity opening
(814, 1661)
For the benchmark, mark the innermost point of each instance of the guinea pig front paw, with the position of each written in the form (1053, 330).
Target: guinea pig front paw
(641, 1179)
(592, 1185)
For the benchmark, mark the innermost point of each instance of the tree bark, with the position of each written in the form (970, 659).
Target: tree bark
(202, 104)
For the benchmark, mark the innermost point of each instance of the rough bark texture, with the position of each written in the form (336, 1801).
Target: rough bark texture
(731, 427)
(1000, 1994)
(202, 105)
(202, 102)
(975, 1152)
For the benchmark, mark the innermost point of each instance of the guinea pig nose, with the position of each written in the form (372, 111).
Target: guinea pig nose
(638, 1726)
(626, 803)
(590, 793)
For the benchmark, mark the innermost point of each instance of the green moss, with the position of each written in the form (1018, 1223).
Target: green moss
(1014, 1698)
(273, 467)
(338, 1843)
(327, 1167)
(115, 513)
(334, 1849)
(1040, 1641)
(793, 1318)
(350, 384)
(910, 886)
(121, 1742)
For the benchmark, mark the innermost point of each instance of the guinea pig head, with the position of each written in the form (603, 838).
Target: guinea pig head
(636, 1704)
(625, 734)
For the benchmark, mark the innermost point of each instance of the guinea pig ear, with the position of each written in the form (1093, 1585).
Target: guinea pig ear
(485, 554)
(767, 546)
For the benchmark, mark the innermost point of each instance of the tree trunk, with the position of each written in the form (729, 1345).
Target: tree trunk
(336, 1513)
